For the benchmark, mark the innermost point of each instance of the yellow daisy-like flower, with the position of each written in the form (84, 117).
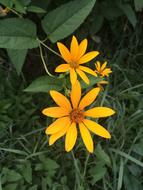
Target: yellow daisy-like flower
(75, 58)
(102, 70)
(72, 114)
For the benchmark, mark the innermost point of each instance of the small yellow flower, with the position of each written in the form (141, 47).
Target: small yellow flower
(72, 114)
(75, 58)
(100, 83)
(102, 70)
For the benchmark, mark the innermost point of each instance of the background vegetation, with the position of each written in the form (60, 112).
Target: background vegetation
(26, 161)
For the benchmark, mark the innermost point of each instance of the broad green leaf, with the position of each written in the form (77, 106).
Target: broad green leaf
(19, 6)
(64, 20)
(17, 33)
(102, 155)
(44, 84)
(35, 9)
(11, 175)
(129, 12)
(48, 164)
(7, 3)
(97, 173)
(93, 81)
(138, 5)
(12, 186)
(26, 171)
(17, 58)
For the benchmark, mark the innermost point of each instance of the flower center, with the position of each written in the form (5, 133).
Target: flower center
(74, 64)
(77, 115)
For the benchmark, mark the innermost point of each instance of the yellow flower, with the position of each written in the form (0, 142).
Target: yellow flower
(74, 60)
(100, 83)
(102, 70)
(72, 114)
(4, 11)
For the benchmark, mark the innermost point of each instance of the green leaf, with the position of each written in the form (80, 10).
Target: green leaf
(35, 9)
(11, 175)
(12, 186)
(97, 173)
(129, 12)
(7, 3)
(102, 155)
(138, 5)
(26, 171)
(17, 58)
(64, 20)
(93, 80)
(97, 24)
(17, 33)
(44, 84)
(19, 6)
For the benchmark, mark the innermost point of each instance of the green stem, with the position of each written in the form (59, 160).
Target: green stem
(77, 170)
(50, 49)
(43, 61)
(12, 10)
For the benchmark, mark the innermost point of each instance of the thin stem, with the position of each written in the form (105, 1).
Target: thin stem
(15, 12)
(43, 61)
(50, 49)
(77, 169)
(85, 166)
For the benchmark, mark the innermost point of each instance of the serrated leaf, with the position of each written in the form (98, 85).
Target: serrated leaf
(17, 33)
(11, 175)
(64, 20)
(27, 171)
(35, 9)
(17, 58)
(44, 84)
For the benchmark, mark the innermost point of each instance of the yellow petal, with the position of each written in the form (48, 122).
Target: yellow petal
(73, 76)
(103, 82)
(97, 65)
(71, 137)
(85, 134)
(99, 112)
(75, 94)
(88, 70)
(53, 138)
(106, 72)
(60, 100)
(64, 52)
(104, 65)
(83, 76)
(89, 98)
(58, 125)
(55, 112)
(88, 57)
(62, 68)
(74, 48)
(82, 48)
(96, 128)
